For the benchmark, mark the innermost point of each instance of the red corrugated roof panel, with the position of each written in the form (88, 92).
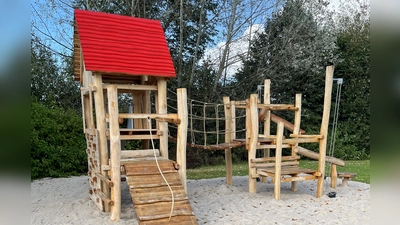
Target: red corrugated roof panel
(122, 44)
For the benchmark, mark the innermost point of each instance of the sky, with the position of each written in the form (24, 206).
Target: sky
(14, 22)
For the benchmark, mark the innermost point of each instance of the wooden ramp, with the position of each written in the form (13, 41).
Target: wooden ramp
(152, 197)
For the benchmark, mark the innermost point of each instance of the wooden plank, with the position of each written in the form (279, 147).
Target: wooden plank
(300, 178)
(181, 220)
(318, 136)
(147, 181)
(161, 210)
(125, 154)
(272, 146)
(292, 170)
(221, 146)
(276, 107)
(139, 137)
(149, 167)
(157, 194)
(267, 159)
(300, 140)
(266, 165)
(134, 87)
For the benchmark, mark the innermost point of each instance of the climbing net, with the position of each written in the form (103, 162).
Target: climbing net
(207, 122)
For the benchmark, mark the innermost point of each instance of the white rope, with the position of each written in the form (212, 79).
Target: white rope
(334, 123)
(159, 169)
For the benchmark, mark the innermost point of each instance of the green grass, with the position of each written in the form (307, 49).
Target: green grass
(361, 168)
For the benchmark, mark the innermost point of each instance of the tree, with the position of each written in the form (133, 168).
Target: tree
(353, 41)
(292, 52)
(52, 83)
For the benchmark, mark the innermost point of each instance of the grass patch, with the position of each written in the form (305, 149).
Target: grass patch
(361, 168)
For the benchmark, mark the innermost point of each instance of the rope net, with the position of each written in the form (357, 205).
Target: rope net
(206, 122)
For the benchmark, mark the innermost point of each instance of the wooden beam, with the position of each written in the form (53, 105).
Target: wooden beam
(315, 155)
(228, 139)
(267, 117)
(133, 87)
(253, 128)
(105, 179)
(162, 109)
(115, 152)
(101, 127)
(182, 134)
(126, 154)
(267, 159)
(278, 162)
(324, 128)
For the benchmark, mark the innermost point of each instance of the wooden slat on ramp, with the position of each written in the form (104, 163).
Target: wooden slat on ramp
(152, 197)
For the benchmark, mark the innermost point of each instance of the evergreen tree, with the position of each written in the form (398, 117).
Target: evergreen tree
(292, 52)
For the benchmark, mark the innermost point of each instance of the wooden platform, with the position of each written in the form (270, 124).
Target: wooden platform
(151, 196)
(221, 146)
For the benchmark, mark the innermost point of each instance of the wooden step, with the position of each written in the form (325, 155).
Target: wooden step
(157, 194)
(181, 220)
(162, 210)
(156, 180)
(149, 167)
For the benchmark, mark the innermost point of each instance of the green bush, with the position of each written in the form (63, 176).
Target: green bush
(57, 142)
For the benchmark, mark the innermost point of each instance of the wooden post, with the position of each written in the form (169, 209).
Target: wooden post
(233, 120)
(253, 127)
(101, 127)
(333, 176)
(115, 152)
(267, 118)
(296, 130)
(228, 135)
(137, 123)
(147, 109)
(182, 134)
(324, 129)
(278, 161)
(162, 109)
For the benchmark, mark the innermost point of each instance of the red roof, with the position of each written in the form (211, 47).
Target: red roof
(122, 44)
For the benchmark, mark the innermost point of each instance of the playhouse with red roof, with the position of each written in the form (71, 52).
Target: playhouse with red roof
(118, 55)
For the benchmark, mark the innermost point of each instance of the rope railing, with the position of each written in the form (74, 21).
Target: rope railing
(205, 119)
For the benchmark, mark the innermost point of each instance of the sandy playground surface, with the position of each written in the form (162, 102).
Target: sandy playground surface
(66, 201)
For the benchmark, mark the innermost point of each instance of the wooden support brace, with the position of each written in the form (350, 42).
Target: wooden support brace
(105, 179)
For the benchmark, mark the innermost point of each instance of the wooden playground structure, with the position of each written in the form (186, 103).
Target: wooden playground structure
(108, 69)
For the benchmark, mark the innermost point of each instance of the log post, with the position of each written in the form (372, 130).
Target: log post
(253, 127)
(296, 130)
(182, 134)
(333, 176)
(278, 161)
(324, 129)
(162, 109)
(101, 127)
(228, 135)
(115, 152)
(147, 110)
(267, 117)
